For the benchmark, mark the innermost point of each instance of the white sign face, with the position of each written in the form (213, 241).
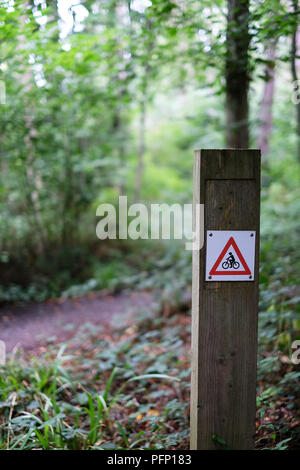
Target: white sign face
(230, 255)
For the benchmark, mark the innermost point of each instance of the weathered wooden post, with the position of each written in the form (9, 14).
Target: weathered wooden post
(225, 300)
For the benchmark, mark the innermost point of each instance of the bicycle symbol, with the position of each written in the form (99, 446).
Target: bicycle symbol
(230, 262)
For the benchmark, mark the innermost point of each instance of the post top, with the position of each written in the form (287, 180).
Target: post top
(229, 163)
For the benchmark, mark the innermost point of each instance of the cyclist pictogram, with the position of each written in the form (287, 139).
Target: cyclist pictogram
(230, 262)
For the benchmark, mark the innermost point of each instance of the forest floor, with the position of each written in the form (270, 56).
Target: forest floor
(134, 353)
(32, 326)
(113, 373)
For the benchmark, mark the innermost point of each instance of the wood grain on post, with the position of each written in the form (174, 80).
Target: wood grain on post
(224, 314)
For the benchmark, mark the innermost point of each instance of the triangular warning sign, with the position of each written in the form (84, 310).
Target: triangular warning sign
(228, 270)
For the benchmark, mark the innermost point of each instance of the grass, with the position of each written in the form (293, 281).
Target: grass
(125, 391)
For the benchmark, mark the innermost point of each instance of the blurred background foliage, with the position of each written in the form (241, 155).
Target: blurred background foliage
(111, 97)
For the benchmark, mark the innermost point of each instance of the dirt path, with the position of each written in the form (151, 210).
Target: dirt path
(34, 325)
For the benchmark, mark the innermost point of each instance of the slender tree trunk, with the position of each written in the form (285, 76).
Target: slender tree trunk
(143, 110)
(142, 116)
(141, 151)
(237, 74)
(295, 49)
(33, 178)
(34, 183)
(265, 113)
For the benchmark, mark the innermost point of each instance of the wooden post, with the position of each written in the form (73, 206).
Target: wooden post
(224, 314)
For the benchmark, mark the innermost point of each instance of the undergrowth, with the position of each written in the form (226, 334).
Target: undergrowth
(127, 390)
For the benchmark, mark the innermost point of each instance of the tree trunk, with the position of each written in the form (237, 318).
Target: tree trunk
(294, 62)
(143, 103)
(237, 74)
(33, 178)
(265, 113)
(141, 151)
